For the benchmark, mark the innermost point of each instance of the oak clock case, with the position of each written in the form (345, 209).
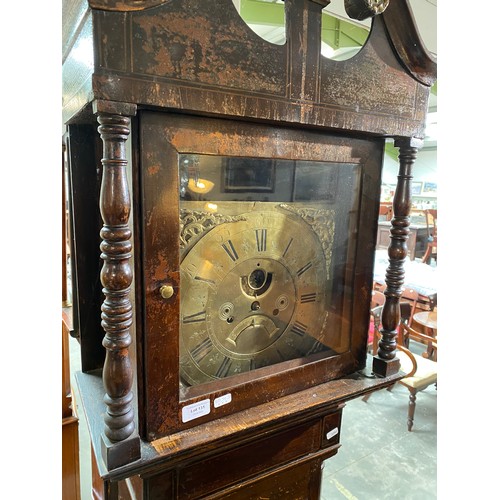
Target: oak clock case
(256, 229)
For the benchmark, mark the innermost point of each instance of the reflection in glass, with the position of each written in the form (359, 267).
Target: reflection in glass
(263, 253)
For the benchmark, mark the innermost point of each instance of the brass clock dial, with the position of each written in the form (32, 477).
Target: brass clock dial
(253, 295)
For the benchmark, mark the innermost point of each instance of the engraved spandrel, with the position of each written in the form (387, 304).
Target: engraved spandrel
(195, 223)
(322, 223)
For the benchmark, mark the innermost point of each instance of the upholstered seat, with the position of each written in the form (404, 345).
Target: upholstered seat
(420, 372)
(425, 375)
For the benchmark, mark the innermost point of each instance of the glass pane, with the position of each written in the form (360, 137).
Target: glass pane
(263, 262)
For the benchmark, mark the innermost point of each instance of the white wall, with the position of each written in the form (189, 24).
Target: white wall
(424, 169)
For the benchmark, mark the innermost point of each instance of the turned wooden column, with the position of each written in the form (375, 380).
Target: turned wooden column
(120, 443)
(385, 362)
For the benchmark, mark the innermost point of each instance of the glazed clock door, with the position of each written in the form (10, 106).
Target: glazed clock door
(256, 231)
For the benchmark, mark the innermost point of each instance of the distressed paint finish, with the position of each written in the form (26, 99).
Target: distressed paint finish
(183, 41)
(180, 55)
(234, 104)
(374, 77)
(408, 46)
(161, 227)
(125, 5)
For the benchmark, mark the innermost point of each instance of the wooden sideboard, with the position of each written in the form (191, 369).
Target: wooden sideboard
(417, 238)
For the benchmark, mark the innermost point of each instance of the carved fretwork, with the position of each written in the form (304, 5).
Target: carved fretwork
(116, 278)
(386, 363)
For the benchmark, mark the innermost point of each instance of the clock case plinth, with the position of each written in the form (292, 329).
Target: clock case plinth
(200, 61)
(277, 446)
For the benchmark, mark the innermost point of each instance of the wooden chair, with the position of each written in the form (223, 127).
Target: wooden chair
(431, 250)
(385, 211)
(410, 296)
(420, 372)
(378, 299)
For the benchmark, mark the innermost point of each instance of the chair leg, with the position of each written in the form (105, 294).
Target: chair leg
(411, 408)
(426, 259)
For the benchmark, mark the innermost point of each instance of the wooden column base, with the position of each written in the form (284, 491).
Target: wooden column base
(120, 453)
(384, 367)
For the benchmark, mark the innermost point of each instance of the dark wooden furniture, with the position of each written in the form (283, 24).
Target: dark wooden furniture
(275, 449)
(417, 238)
(175, 88)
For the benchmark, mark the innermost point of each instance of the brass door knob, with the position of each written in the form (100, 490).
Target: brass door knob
(166, 291)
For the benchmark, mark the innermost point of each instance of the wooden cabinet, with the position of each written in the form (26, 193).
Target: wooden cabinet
(416, 243)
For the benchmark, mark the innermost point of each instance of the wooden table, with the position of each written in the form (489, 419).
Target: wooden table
(428, 319)
(418, 276)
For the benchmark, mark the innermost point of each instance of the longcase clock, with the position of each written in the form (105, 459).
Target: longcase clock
(225, 195)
